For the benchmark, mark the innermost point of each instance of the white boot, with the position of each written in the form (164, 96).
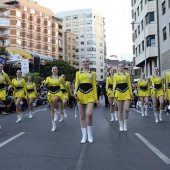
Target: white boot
(30, 114)
(146, 110)
(125, 125)
(121, 126)
(53, 126)
(55, 115)
(160, 115)
(142, 110)
(18, 118)
(84, 135)
(65, 114)
(89, 134)
(156, 117)
(116, 115)
(61, 118)
(112, 117)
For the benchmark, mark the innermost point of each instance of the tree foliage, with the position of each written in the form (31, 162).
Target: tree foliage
(35, 77)
(63, 68)
(3, 51)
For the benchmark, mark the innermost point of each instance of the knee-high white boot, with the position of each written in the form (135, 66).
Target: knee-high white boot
(65, 114)
(61, 118)
(160, 115)
(125, 125)
(146, 110)
(84, 135)
(156, 117)
(19, 118)
(142, 110)
(55, 115)
(89, 134)
(121, 128)
(53, 126)
(116, 115)
(30, 114)
(112, 117)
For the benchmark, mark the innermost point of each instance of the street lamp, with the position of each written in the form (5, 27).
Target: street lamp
(144, 25)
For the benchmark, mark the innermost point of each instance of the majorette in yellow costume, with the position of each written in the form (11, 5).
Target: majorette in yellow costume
(31, 90)
(54, 87)
(85, 86)
(65, 91)
(109, 86)
(21, 90)
(144, 88)
(122, 86)
(3, 79)
(158, 84)
(167, 85)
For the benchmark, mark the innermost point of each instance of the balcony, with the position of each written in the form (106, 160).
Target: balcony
(4, 36)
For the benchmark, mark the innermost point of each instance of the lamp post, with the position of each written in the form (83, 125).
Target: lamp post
(144, 32)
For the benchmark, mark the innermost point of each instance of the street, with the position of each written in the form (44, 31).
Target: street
(30, 145)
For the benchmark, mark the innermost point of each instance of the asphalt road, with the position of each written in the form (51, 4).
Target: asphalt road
(30, 145)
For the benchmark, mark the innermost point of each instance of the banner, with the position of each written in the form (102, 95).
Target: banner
(24, 66)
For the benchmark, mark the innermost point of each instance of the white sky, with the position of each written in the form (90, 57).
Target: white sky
(117, 15)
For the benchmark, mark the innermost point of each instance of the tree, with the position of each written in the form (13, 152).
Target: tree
(63, 68)
(35, 77)
(3, 51)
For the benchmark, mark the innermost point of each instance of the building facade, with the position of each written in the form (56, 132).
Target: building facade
(89, 27)
(70, 48)
(31, 27)
(145, 35)
(164, 32)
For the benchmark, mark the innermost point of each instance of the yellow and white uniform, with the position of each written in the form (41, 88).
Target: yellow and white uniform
(157, 83)
(143, 88)
(31, 90)
(54, 87)
(85, 86)
(122, 86)
(21, 89)
(167, 85)
(4, 78)
(65, 91)
(109, 86)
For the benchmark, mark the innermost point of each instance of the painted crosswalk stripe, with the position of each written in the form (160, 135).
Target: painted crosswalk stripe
(37, 111)
(153, 148)
(11, 139)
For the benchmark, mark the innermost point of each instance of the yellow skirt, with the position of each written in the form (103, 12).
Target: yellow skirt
(120, 96)
(168, 94)
(143, 93)
(110, 93)
(157, 93)
(19, 94)
(3, 95)
(32, 95)
(86, 98)
(50, 96)
(65, 96)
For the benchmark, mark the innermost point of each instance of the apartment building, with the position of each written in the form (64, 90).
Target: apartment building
(145, 35)
(70, 48)
(164, 32)
(26, 25)
(89, 27)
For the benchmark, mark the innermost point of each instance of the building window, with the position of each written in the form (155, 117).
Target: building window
(88, 15)
(101, 63)
(18, 14)
(41, 14)
(89, 22)
(68, 18)
(73, 48)
(75, 23)
(164, 33)
(19, 42)
(141, 5)
(163, 8)
(28, 44)
(150, 40)
(68, 30)
(150, 18)
(32, 11)
(82, 49)
(18, 23)
(75, 17)
(139, 49)
(19, 33)
(82, 42)
(143, 46)
(142, 24)
(138, 29)
(69, 47)
(138, 11)
(68, 24)
(82, 23)
(28, 35)
(25, 8)
(101, 70)
(169, 3)
(75, 30)
(47, 16)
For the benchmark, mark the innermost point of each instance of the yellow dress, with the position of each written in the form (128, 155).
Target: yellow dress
(3, 79)
(109, 86)
(143, 88)
(122, 86)
(167, 85)
(64, 91)
(54, 87)
(21, 90)
(85, 86)
(158, 84)
(31, 90)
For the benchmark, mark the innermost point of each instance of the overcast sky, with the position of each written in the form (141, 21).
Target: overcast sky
(117, 15)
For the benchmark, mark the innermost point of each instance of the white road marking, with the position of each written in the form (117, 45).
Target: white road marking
(11, 139)
(137, 111)
(81, 157)
(153, 148)
(37, 111)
